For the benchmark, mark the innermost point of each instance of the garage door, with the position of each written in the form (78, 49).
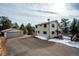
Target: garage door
(13, 34)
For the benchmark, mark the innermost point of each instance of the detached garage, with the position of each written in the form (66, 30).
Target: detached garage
(12, 33)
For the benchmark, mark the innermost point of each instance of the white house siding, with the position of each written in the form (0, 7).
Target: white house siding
(53, 29)
(41, 29)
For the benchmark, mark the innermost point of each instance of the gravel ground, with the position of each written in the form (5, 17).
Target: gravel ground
(35, 47)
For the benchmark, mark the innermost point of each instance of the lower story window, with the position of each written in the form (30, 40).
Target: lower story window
(44, 32)
(38, 31)
(53, 32)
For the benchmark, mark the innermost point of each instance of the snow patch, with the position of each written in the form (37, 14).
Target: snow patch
(59, 41)
(73, 44)
(41, 37)
(65, 41)
(66, 37)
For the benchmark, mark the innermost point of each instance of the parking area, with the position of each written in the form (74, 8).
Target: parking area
(35, 47)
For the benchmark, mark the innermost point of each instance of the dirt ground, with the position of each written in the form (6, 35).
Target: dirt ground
(35, 47)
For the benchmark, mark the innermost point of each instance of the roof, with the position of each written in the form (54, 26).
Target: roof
(46, 22)
(49, 22)
(10, 30)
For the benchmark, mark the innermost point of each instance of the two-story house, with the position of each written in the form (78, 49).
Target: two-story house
(48, 29)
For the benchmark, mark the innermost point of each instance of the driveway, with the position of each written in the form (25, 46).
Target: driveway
(35, 47)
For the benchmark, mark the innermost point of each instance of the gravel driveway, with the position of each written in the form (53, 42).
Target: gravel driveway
(35, 47)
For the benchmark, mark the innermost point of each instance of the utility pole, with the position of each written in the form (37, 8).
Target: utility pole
(48, 29)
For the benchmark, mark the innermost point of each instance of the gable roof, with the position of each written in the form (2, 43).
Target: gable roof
(46, 23)
(49, 22)
(10, 30)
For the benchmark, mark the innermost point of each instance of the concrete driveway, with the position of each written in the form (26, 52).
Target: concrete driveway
(35, 47)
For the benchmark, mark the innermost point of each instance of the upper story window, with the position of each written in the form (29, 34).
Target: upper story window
(44, 32)
(36, 26)
(53, 25)
(45, 25)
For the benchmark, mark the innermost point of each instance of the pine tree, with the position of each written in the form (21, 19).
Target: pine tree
(78, 25)
(65, 24)
(5, 22)
(74, 27)
(23, 28)
(30, 29)
(15, 25)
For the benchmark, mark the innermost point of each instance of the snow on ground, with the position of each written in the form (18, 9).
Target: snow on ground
(65, 41)
(73, 44)
(40, 37)
(66, 37)
(59, 41)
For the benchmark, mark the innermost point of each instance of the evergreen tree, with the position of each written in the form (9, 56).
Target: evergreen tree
(5, 22)
(74, 27)
(65, 25)
(15, 25)
(30, 29)
(33, 30)
(23, 28)
(78, 25)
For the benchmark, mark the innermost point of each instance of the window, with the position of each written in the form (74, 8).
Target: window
(52, 32)
(36, 26)
(38, 31)
(53, 25)
(45, 25)
(44, 32)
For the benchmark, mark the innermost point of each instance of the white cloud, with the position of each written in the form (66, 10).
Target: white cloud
(36, 13)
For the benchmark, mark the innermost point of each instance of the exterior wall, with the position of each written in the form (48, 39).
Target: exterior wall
(41, 29)
(53, 29)
(12, 34)
(5, 34)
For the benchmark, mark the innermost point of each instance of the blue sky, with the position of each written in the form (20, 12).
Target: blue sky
(35, 13)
